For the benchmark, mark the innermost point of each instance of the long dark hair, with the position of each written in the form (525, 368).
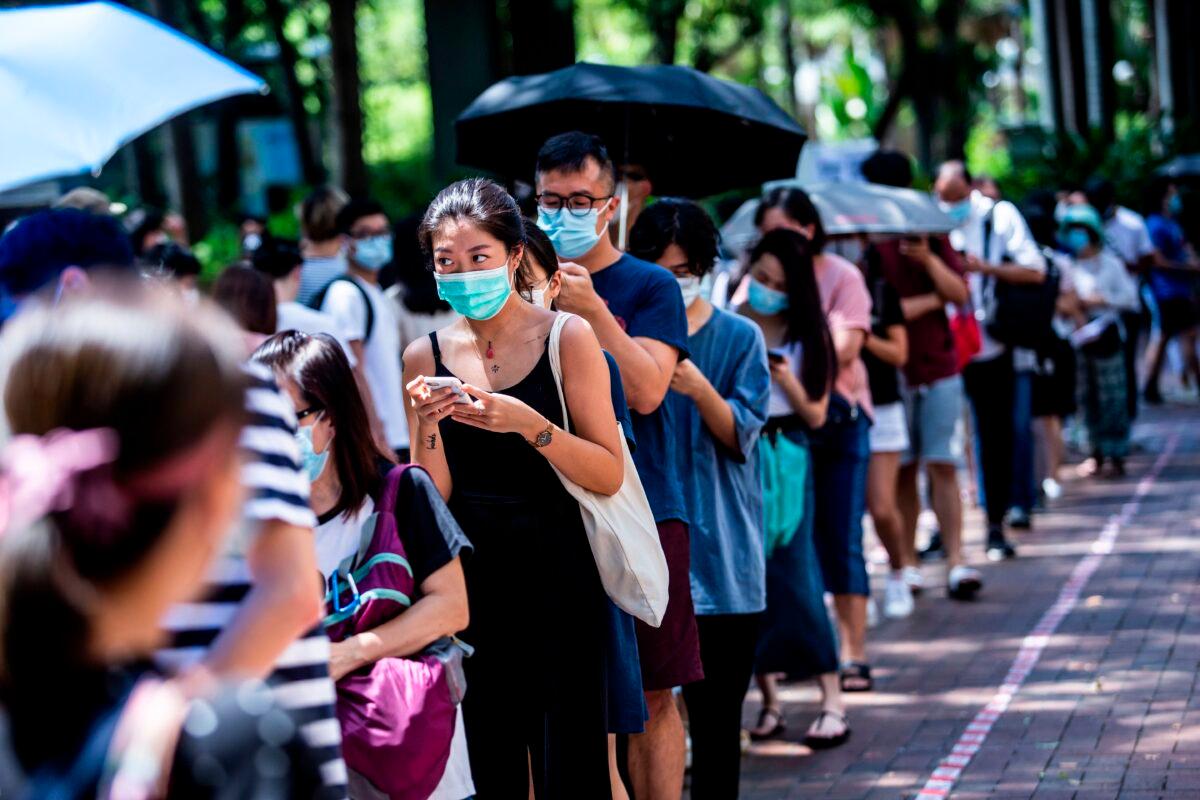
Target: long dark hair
(798, 206)
(318, 367)
(165, 379)
(480, 201)
(673, 221)
(806, 322)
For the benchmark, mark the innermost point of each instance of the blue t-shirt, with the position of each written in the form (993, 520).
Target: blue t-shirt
(723, 489)
(647, 303)
(1168, 239)
(618, 400)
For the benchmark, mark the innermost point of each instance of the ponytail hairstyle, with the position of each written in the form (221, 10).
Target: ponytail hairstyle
(806, 322)
(320, 370)
(483, 203)
(155, 389)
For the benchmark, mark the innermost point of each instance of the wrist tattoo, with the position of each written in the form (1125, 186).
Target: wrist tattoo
(431, 442)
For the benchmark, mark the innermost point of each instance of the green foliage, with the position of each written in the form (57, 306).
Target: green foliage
(217, 250)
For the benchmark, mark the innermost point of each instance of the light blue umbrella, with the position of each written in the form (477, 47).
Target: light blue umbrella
(79, 81)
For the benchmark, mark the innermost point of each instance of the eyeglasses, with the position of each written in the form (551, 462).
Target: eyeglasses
(578, 204)
(308, 412)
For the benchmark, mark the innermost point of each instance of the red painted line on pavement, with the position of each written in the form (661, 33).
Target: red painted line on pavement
(951, 767)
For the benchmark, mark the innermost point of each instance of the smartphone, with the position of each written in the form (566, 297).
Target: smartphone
(454, 384)
(776, 356)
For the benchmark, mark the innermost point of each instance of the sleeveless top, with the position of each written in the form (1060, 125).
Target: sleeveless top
(503, 467)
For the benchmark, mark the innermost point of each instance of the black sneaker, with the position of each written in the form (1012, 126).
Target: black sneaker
(1152, 396)
(1019, 519)
(934, 550)
(998, 547)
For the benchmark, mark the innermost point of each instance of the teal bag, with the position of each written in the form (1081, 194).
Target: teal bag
(785, 466)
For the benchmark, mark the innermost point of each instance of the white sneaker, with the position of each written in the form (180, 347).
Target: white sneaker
(963, 582)
(1052, 489)
(914, 579)
(897, 597)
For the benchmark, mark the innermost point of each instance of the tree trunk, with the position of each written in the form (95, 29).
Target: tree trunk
(310, 165)
(543, 35)
(786, 32)
(347, 99)
(663, 19)
(461, 40)
(182, 150)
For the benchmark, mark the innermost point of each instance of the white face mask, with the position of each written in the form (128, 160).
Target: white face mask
(690, 288)
(538, 298)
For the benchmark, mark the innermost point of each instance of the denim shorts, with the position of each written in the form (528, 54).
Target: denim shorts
(935, 422)
(840, 454)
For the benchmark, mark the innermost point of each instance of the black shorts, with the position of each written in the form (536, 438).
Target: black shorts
(1176, 314)
(1054, 382)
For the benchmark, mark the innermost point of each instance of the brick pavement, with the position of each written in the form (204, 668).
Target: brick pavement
(1108, 710)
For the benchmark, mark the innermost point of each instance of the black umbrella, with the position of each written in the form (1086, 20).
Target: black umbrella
(697, 135)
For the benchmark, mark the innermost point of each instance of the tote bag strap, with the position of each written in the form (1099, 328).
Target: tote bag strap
(556, 362)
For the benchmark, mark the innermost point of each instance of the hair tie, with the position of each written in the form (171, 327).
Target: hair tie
(38, 474)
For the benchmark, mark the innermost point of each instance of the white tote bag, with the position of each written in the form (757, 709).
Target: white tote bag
(620, 528)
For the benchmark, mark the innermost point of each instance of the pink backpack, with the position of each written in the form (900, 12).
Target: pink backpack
(398, 714)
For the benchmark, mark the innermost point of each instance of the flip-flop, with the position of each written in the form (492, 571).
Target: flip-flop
(776, 731)
(828, 742)
(858, 672)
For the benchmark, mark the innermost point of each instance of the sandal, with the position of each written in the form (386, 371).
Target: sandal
(856, 677)
(815, 742)
(775, 731)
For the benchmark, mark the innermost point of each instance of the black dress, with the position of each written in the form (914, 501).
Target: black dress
(536, 683)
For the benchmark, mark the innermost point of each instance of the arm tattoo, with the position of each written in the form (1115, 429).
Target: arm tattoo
(431, 442)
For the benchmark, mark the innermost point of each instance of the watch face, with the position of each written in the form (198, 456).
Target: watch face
(543, 438)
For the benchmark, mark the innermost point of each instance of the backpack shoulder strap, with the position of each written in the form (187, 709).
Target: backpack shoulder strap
(318, 300)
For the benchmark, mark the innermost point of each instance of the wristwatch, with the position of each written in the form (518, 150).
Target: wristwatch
(544, 438)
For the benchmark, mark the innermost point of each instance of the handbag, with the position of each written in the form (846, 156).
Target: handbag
(620, 529)
(397, 714)
(968, 339)
(785, 466)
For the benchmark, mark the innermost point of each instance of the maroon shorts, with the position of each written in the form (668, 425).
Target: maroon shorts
(670, 653)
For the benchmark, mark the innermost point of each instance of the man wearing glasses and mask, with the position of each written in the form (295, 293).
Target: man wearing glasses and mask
(637, 312)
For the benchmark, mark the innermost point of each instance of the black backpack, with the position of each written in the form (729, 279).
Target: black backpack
(318, 300)
(1022, 314)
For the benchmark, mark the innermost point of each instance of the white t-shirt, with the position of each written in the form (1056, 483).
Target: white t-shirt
(1128, 235)
(1010, 237)
(293, 316)
(381, 352)
(339, 538)
(412, 325)
(1104, 276)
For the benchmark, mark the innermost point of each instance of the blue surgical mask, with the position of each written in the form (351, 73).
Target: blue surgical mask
(957, 212)
(1076, 240)
(476, 295)
(373, 254)
(1175, 205)
(765, 300)
(571, 236)
(312, 462)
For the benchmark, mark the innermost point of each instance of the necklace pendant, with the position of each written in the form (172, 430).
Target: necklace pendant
(490, 352)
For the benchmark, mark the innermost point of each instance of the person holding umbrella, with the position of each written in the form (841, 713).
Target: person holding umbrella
(637, 312)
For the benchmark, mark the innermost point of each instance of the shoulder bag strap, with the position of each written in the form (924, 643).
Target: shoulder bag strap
(554, 347)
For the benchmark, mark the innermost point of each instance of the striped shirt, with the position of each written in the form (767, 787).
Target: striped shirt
(277, 490)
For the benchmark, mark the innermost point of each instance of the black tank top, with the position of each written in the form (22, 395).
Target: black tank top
(503, 467)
